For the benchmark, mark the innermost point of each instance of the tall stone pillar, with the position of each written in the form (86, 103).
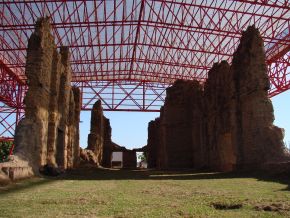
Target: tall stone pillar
(77, 110)
(31, 132)
(49, 132)
(107, 147)
(96, 136)
(256, 138)
(54, 115)
(71, 131)
(63, 107)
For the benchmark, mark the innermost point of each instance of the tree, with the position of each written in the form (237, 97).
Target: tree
(142, 157)
(5, 148)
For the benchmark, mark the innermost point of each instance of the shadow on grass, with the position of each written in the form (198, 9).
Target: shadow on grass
(21, 185)
(109, 174)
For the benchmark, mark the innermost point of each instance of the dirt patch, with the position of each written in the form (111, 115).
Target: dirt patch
(4, 179)
(227, 206)
(184, 214)
(276, 207)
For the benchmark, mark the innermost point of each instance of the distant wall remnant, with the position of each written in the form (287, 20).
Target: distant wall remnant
(225, 124)
(100, 142)
(153, 144)
(99, 138)
(108, 145)
(129, 159)
(96, 135)
(49, 133)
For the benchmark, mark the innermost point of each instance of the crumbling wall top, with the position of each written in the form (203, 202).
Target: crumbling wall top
(65, 55)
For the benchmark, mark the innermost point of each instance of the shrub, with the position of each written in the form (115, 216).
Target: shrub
(142, 157)
(5, 147)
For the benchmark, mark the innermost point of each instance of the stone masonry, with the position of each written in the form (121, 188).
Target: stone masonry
(99, 139)
(225, 124)
(96, 135)
(100, 145)
(256, 139)
(75, 142)
(49, 133)
(220, 117)
(108, 145)
(181, 114)
(153, 146)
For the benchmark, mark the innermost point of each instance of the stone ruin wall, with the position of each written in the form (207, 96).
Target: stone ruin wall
(262, 141)
(100, 144)
(129, 159)
(153, 144)
(220, 117)
(129, 156)
(224, 125)
(96, 135)
(49, 133)
(108, 146)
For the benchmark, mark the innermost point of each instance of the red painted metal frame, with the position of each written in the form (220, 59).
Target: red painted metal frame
(127, 52)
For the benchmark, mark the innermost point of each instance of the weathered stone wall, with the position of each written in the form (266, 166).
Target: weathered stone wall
(155, 150)
(220, 117)
(71, 131)
(96, 135)
(162, 160)
(100, 145)
(64, 103)
(108, 147)
(47, 134)
(153, 144)
(54, 115)
(197, 125)
(31, 134)
(256, 138)
(226, 124)
(177, 126)
(129, 159)
(99, 138)
(77, 111)
(181, 124)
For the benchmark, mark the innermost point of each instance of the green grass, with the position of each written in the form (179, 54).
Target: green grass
(125, 193)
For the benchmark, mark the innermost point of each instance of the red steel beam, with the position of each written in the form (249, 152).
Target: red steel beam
(171, 40)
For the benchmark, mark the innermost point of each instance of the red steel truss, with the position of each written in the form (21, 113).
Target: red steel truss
(126, 52)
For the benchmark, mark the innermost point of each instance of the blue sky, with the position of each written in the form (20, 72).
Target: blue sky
(129, 129)
(281, 105)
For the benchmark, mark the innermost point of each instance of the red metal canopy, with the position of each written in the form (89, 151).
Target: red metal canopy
(126, 52)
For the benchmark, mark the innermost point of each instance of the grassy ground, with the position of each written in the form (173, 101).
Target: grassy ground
(125, 193)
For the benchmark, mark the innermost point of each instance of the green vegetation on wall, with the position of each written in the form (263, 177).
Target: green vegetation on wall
(5, 147)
